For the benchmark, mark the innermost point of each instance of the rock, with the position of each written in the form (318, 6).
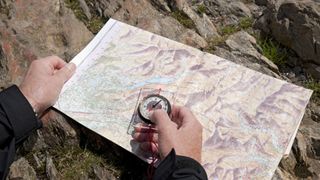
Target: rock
(85, 8)
(102, 173)
(57, 131)
(238, 8)
(280, 174)
(51, 170)
(203, 24)
(143, 15)
(261, 2)
(192, 39)
(42, 29)
(249, 62)
(295, 24)
(21, 169)
(245, 44)
(313, 69)
(162, 4)
(227, 12)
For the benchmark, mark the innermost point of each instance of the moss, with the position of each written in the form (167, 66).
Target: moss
(273, 51)
(315, 86)
(94, 24)
(183, 19)
(201, 8)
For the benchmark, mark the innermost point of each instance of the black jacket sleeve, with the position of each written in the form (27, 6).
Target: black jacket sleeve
(179, 167)
(17, 121)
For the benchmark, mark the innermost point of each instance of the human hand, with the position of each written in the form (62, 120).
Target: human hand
(183, 132)
(44, 81)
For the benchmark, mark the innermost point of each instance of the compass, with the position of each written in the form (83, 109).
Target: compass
(152, 102)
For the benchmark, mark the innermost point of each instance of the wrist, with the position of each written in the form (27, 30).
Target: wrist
(35, 106)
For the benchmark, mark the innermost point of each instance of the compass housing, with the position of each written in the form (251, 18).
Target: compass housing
(152, 102)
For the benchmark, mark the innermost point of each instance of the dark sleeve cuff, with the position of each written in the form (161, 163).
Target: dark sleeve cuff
(179, 167)
(19, 112)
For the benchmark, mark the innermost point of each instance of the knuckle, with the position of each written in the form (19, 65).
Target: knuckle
(35, 62)
(54, 57)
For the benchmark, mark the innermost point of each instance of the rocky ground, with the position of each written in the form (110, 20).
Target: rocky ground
(280, 38)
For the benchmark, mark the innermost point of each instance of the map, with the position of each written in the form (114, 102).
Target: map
(249, 119)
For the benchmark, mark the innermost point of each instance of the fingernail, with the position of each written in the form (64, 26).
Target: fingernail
(71, 66)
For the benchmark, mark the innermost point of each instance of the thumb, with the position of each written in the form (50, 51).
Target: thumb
(162, 120)
(65, 73)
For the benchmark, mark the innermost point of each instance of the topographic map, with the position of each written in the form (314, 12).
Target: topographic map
(249, 119)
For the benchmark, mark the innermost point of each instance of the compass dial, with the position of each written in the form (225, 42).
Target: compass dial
(152, 102)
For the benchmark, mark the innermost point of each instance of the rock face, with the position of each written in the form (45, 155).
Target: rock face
(63, 149)
(32, 29)
(295, 24)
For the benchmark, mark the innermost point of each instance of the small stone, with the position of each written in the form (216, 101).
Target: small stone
(21, 169)
(102, 173)
(51, 170)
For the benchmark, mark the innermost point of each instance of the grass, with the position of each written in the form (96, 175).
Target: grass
(273, 51)
(201, 8)
(229, 29)
(74, 162)
(226, 31)
(183, 19)
(315, 86)
(244, 24)
(94, 24)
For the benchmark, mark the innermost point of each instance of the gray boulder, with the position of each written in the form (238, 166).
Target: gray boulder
(295, 24)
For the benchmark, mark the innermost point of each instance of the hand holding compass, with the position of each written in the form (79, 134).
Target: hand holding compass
(182, 132)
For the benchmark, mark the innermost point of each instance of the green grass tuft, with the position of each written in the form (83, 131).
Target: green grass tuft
(201, 8)
(74, 162)
(273, 51)
(315, 86)
(246, 23)
(183, 19)
(228, 30)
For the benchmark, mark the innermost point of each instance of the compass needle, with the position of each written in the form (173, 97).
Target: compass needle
(155, 105)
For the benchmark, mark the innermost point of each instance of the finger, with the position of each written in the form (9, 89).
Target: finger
(145, 128)
(163, 122)
(182, 115)
(64, 74)
(149, 147)
(145, 137)
(55, 62)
